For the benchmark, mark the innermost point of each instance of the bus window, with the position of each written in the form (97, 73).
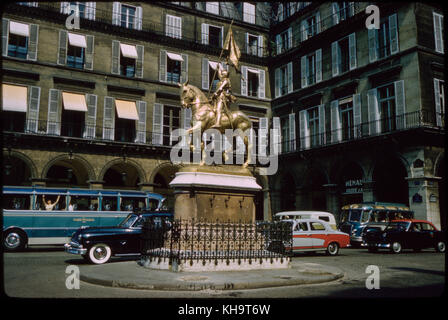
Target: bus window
(16, 202)
(83, 203)
(153, 204)
(365, 217)
(324, 218)
(344, 216)
(109, 203)
(51, 202)
(129, 204)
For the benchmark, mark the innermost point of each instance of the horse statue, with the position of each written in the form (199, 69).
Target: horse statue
(204, 117)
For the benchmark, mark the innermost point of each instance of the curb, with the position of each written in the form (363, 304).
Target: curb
(302, 277)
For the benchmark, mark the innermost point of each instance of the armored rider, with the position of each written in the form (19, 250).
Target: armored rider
(222, 96)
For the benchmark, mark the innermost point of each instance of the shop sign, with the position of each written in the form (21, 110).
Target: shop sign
(353, 186)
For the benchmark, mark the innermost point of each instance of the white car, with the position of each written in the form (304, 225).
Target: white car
(316, 235)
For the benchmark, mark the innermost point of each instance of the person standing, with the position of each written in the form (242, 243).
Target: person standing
(48, 204)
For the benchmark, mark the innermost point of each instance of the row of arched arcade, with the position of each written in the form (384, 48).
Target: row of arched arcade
(328, 185)
(26, 168)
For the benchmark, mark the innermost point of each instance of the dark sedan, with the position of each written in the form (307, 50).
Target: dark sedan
(99, 244)
(404, 234)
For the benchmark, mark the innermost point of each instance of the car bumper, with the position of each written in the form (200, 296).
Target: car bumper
(357, 241)
(378, 245)
(74, 248)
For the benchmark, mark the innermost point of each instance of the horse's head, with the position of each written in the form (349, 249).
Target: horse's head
(187, 94)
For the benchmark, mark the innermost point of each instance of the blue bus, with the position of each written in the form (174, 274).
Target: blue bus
(355, 217)
(49, 216)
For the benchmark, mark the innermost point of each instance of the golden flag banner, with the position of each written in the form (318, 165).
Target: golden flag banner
(234, 51)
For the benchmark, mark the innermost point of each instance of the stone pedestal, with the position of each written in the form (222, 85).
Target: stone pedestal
(214, 225)
(214, 193)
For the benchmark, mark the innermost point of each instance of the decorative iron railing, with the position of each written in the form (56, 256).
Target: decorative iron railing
(407, 121)
(204, 241)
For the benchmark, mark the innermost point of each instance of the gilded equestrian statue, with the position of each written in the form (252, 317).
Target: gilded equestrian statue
(206, 113)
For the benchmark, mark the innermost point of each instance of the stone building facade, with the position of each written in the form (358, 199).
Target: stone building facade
(100, 101)
(362, 116)
(360, 112)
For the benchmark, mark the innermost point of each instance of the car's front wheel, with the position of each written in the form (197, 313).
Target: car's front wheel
(440, 247)
(99, 253)
(396, 247)
(333, 249)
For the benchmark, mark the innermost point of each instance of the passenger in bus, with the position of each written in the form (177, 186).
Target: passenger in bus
(107, 206)
(48, 205)
(71, 206)
(16, 204)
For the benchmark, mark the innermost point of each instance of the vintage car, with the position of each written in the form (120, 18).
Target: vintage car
(99, 244)
(314, 235)
(404, 234)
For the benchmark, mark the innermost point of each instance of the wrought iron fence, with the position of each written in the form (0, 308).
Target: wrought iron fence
(205, 241)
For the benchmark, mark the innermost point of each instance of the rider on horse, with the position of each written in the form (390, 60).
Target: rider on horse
(222, 97)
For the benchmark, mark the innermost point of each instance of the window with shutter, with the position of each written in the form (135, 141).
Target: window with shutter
(439, 98)
(157, 124)
(277, 135)
(357, 115)
(292, 131)
(90, 117)
(109, 118)
(400, 105)
(141, 123)
(336, 135)
(53, 120)
(438, 32)
(32, 121)
(263, 137)
(139, 61)
(89, 53)
(173, 26)
(248, 12)
(285, 134)
(5, 34)
(304, 130)
(32, 42)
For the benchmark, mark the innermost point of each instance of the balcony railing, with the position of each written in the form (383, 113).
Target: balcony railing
(299, 35)
(97, 133)
(412, 120)
(146, 26)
